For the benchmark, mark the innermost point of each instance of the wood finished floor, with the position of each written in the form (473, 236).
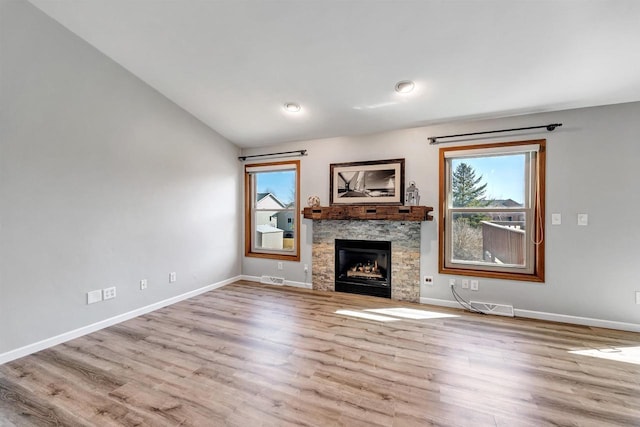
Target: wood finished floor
(254, 355)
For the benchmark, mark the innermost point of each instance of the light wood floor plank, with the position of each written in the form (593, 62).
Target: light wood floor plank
(257, 355)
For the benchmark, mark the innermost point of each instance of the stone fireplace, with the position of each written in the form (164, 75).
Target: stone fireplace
(404, 237)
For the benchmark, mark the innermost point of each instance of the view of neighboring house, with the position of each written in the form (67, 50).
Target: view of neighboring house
(506, 217)
(274, 225)
(267, 207)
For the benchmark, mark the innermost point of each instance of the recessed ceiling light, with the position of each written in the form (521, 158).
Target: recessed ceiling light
(405, 86)
(292, 107)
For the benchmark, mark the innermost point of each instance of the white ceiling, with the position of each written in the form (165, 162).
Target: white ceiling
(233, 64)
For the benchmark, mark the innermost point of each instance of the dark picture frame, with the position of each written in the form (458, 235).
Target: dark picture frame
(377, 182)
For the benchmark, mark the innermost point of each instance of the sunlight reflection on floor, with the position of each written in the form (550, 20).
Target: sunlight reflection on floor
(410, 313)
(620, 354)
(394, 314)
(369, 316)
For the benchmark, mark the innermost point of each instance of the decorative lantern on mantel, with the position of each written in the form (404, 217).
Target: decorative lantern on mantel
(412, 196)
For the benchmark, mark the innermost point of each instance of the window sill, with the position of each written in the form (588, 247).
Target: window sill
(281, 257)
(535, 277)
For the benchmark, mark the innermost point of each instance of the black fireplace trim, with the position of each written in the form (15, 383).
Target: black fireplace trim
(353, 287)
(372, 290)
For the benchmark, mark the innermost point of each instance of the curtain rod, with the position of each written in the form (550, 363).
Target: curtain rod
(434, 139)
(299, 153)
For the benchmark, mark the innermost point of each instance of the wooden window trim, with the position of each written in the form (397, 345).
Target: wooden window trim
(538, 272)
(248, 215)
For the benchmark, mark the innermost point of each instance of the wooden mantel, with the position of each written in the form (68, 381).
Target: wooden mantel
(364, 212)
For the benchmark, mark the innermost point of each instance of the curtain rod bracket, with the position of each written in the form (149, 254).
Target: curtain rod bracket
(434, 139)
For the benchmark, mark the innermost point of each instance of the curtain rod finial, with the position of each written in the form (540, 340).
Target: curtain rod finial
(553, 126)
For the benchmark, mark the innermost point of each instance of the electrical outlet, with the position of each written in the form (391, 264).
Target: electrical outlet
(465, 283)
(143, 284)
(280, 266)
(94, 296)
(306, 268)
(428, 280)
(172, 277)
(452, 282)
(109, 293)
(474, 285)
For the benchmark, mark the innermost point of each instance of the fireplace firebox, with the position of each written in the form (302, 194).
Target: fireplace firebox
(363, 267)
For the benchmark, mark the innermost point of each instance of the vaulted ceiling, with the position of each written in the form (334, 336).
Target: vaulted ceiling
(234, 64)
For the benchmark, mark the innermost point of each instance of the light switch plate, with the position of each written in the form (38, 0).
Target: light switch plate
(583, 219)
(556, 219)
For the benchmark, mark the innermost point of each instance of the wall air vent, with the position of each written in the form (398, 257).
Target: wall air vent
(272, 280)
(491, 308)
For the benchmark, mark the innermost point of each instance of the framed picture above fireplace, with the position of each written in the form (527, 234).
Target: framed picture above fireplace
(378, 182)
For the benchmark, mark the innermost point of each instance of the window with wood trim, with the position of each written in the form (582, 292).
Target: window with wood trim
(492, 210)
(271, 204)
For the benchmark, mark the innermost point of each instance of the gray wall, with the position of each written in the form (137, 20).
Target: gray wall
(103, 182)
(592, 167)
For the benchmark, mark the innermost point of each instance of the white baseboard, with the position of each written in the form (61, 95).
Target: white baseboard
(286, 282)
(76, 333)
(440, 302)
(587, 321)
(553, 317)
